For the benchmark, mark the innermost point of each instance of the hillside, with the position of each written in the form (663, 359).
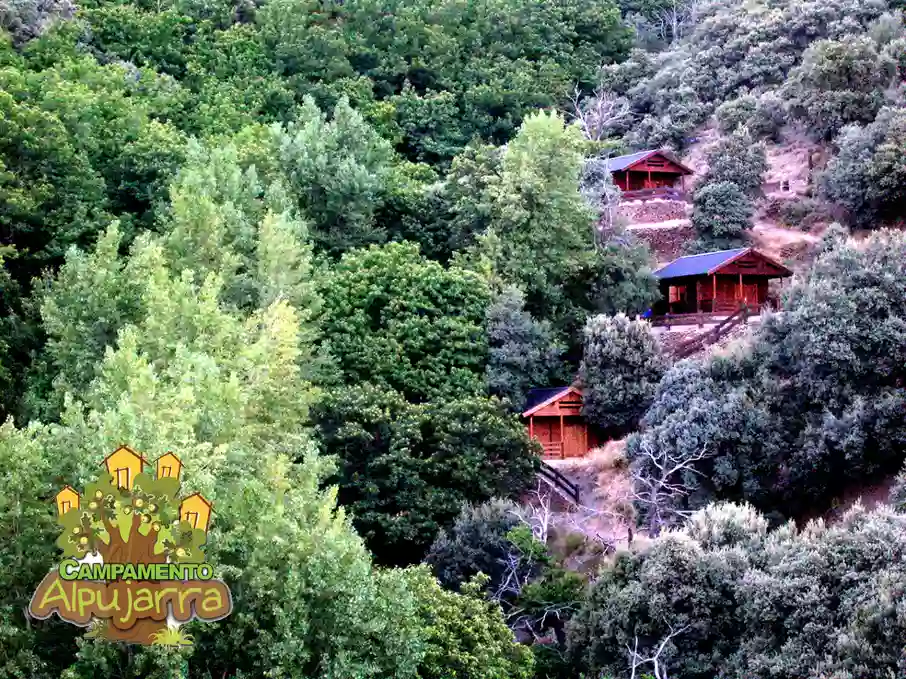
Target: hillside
(325, 254)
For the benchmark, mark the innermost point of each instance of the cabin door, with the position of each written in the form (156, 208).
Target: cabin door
(575, 437)
(750, 295)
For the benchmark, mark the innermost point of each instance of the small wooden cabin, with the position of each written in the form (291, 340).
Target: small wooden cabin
(717, 282)
(554, 417)
(648, 170)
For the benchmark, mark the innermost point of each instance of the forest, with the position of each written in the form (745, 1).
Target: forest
(323, 249)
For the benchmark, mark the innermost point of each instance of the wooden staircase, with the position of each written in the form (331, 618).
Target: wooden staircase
(722, 329)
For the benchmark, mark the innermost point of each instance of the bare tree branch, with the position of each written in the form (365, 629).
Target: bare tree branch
(600, 114)
(659, 491)
(637, 660)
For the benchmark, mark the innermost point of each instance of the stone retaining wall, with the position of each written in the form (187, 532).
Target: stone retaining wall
(667, 243)
(653, 211)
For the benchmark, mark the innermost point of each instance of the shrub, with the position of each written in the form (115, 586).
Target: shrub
(735, 158)
(621, 367)
(736, 113)
(769, 117)
(721, 213)
(802, 212)
(476, 543)
(838, 83)
(867, 177)
(465, 635)
(736, 599)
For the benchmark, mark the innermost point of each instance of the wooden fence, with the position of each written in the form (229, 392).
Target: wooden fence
(691, 346)
(556, 478)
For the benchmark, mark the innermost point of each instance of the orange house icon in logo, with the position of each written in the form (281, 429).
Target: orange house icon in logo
(196, 510)
(124, 464)
(168, 466)
(67, 499)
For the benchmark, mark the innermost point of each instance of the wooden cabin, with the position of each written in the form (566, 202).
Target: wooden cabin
(648, 171)
(717, 282)
(554, 417)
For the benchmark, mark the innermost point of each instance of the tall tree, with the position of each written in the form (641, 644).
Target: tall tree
(395, 319)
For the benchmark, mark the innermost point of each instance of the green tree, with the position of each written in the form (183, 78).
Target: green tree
(465, 634)
(223, 219)
(406, 470)
(738, 160)
(839, 82)
(621, 368)
(866, 176)
(721, 214)
(523, 352)
(477, 542)
(83, 308)
(338, 169)
(397, 320)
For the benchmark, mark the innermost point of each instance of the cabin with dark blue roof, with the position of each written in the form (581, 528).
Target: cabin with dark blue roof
(553, 416)
(717, 283)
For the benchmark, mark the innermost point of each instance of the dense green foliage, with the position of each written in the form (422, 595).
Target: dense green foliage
(406, 470)
(467, 635)
(322, 250)
(399, 321)
(476, 543)
(839, 82)
(721, 214)
(867, 176)
(523, 351)
(740, 600)
(621, 368)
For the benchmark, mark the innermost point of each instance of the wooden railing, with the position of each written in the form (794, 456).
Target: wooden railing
(667, 192)
(689, 347)
(556, 479)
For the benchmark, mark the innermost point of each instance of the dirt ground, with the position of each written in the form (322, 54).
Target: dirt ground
(605, 513)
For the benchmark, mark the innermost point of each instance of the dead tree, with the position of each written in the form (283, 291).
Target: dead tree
(637, 660)
(671, 24)
(657, 484)
(599, 114)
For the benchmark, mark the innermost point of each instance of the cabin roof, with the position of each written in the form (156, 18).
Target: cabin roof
(710, 262)
(538, 398)
(128, 449)
(626, 162)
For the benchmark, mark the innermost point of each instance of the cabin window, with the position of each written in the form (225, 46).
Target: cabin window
(66, 506)
(122, 477)
(191, 517)
(677, 293)
(166, 472)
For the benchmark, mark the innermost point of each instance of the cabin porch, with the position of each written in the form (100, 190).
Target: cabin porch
(717, 294)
